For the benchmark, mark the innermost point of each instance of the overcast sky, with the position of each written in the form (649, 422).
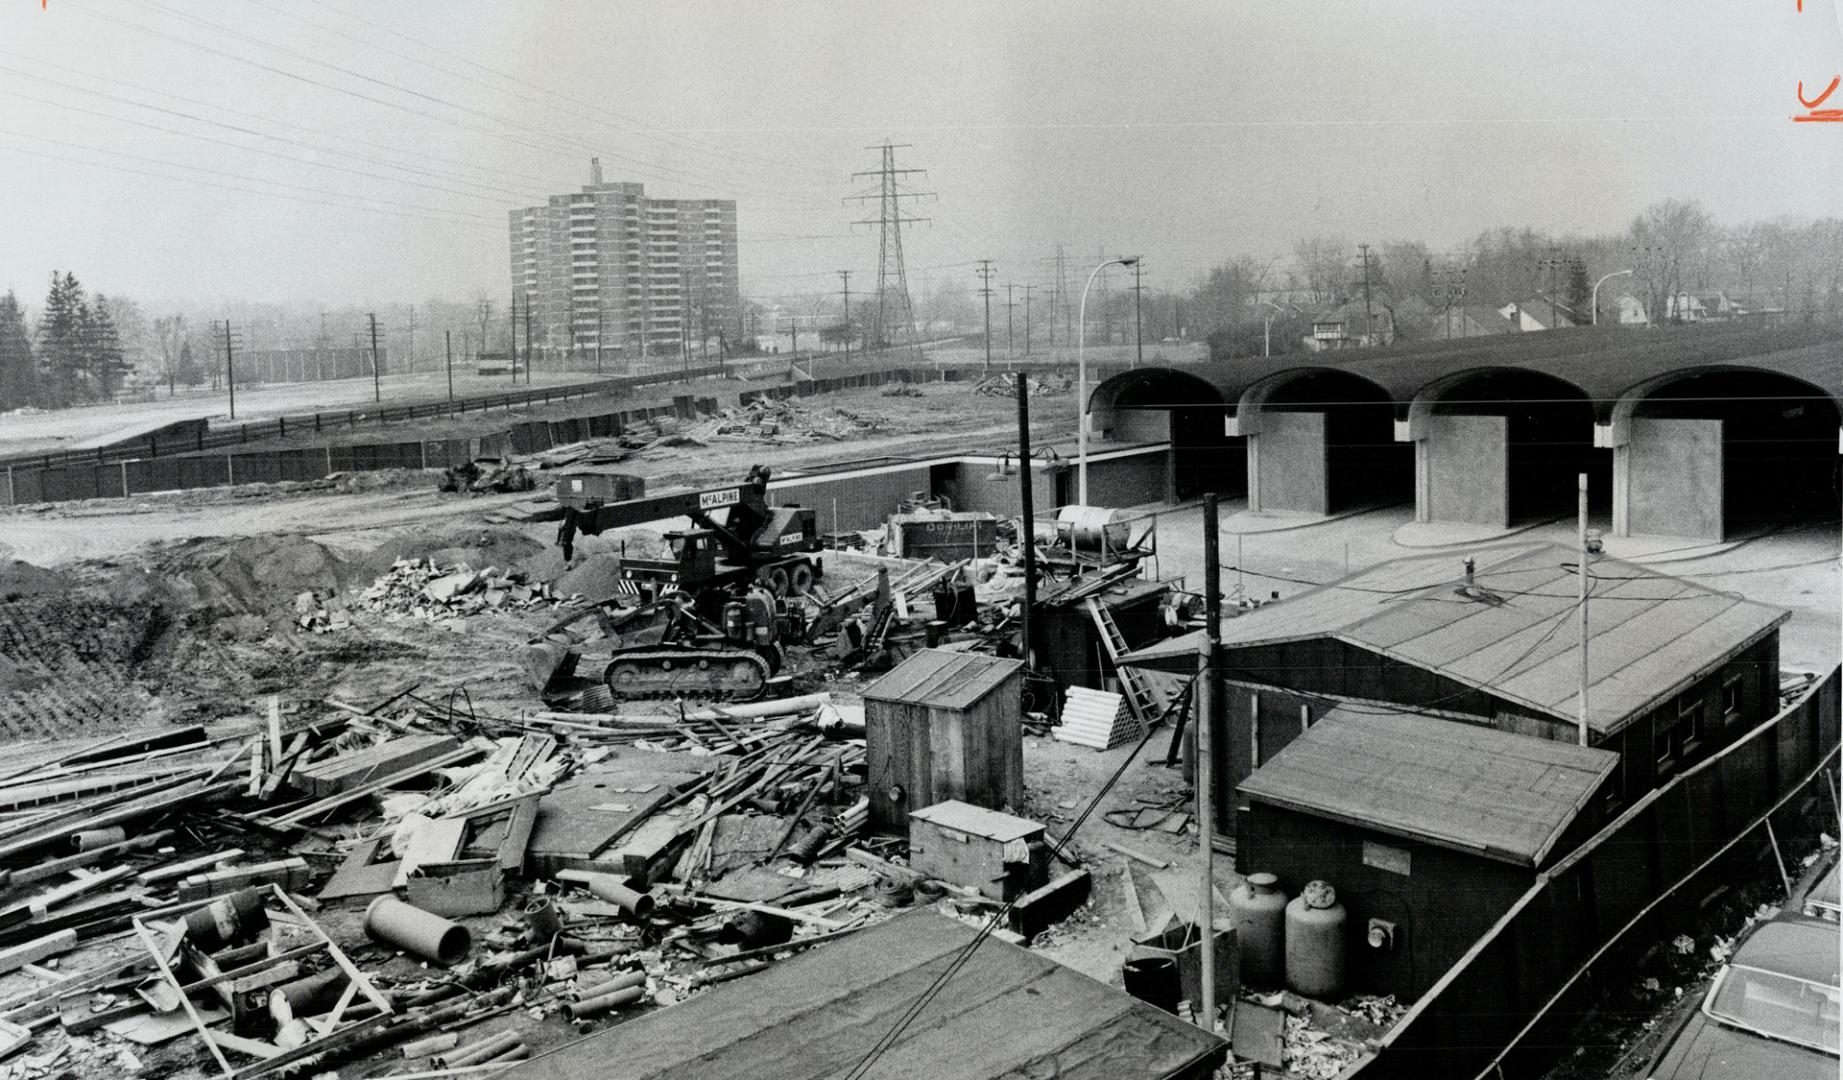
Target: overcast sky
(1184, 131)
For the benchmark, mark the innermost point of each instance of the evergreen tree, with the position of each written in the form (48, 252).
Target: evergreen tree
(188, 372)
(1579, 293)
(106, 363)
(60, 339)
(18, 364)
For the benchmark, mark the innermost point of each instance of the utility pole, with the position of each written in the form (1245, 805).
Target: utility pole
(230, 371)
(527, 341)
(409, 359)
(377, 382)
(1369, 313)
(1062, 298)
(1028, 289)
(1138, 334)
(1209, 709)
(985, 290)
(1551, 264)
(600, 328)
(845, 276)
(1010, 322)
(1449, 285)
(1582, 604)
(512, 339)
(448, 345)
(1027, 505)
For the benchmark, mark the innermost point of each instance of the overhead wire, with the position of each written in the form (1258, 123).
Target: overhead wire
(889, 1038)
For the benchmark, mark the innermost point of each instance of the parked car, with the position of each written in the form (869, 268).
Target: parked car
(1772, 1011)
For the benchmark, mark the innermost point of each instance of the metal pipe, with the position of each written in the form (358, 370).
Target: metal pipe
(91, 839)
(1027, 506)
(475, 1053)
(1595, 302)
(517, 1053)
(1582, 618)
(596, 1006)
(603, 987)
(608, 887)
(434, 1044)
(415, 931)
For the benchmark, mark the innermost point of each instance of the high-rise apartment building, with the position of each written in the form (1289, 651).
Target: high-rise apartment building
(610, 265)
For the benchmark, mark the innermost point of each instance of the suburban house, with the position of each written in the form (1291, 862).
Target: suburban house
(1537, 313)
(1632, 311)
(1429, 830)
(1351, 326)
(1675, 670)
(1684, 307)
(1473, 320)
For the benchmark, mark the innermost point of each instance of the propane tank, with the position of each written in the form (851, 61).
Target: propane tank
(1315, 942)
(1091, 529)
(1259, 910)
(735, 621)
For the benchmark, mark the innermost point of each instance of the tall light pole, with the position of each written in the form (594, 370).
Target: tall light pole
(1595, 302)
(1081, 380)
(1267, 328)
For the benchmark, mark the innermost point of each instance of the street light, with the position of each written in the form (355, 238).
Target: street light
(1596, 294)
(1081, 381)
(1267, 328)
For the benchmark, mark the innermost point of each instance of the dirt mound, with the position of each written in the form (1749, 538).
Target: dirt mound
(23, 579)
(253, 575)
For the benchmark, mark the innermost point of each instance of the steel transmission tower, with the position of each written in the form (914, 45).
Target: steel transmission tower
(895, 319)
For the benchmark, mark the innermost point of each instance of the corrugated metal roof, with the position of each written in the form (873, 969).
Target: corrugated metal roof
(1008, 1012)
(1471, 788)
(1514, 635)
(977, 820)
(943, 679)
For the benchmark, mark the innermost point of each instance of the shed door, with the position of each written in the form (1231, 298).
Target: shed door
(946, 754)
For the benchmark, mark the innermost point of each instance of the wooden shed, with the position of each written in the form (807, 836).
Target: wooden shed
(944, 725)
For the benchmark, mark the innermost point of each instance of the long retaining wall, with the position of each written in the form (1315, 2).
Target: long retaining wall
(141, 474)
(1503, 1011)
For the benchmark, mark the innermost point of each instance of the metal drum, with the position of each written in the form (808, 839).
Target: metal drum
(1091, 529)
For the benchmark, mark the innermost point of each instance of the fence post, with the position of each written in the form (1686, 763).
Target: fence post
(230, 470)
(329, 462)
(11, 496)
(124, 479)
(1772, 838)
(281, 427)
(316, 422)
(423, 448)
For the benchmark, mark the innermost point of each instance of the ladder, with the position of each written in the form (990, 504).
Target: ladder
(1146, 703)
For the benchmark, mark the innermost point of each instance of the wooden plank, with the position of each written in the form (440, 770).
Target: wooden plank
(353, 770)
(166, 972)
(334, 802)
(1137, 856)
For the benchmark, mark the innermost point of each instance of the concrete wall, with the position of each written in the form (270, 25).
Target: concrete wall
(1674, 483)
(851, 503)
(1138, 425)
(1126, 481)
(970, 489)
(1291, 462)
(1469, 469)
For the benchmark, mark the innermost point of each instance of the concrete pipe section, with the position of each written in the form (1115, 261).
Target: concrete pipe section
(417, 932)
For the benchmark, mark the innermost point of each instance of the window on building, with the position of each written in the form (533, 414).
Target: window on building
(1732, 698)
(1666, 740)
(1691, 716)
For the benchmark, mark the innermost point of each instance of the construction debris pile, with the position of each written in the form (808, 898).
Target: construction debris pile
(1004, 384)
(421, 589)
(482, 477)
(778, 421)
(349, 884)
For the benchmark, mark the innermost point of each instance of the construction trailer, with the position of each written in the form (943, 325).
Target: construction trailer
(944, 725)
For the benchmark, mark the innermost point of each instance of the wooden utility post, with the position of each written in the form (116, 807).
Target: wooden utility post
(448, 345)
(1209, 708)
(1028, 506)
(377, 382)
(1581, 619)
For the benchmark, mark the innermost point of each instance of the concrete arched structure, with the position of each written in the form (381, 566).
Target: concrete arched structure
(1319, 440)
(1711, 448)
(1498, 444)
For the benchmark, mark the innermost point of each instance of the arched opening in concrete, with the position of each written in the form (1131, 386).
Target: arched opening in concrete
(1723, 452)
(1147, 404)
(1327, 443)
(1505, 446)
